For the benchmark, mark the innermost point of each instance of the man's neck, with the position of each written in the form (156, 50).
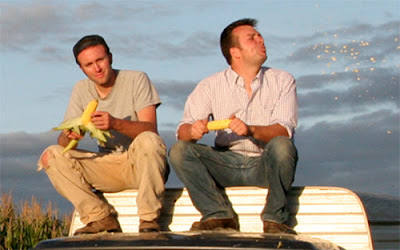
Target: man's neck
(248, 73)
(104, 89)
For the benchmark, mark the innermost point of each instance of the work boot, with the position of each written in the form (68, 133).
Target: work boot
(149, 226)
(108, 224)
(216, 224)
(277, 228)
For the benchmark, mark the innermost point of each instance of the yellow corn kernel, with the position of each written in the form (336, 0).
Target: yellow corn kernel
(220, 124)
(90, 108)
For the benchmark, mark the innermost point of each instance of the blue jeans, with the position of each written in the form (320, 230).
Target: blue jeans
(206, 171)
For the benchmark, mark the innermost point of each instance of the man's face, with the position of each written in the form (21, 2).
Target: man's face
(250, 44)
(96, 64)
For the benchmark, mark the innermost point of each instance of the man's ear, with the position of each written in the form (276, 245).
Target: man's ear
(235, 52)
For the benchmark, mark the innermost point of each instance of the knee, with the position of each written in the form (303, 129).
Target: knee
(281, 148)
(149, 143)
(47, 155)
(177, 152)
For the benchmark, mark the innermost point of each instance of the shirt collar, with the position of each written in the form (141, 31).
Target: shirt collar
(233, 77)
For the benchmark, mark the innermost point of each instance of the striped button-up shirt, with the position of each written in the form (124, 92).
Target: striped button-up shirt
(273, 101)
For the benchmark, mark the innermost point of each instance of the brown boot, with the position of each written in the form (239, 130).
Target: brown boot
(108, 224)
(149, 226)
(216, 224)
(277, 228)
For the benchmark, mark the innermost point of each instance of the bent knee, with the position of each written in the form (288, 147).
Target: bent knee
(47, 155)
(177, 147)
(281, 146)
(148, 142)
(180, 153)
(177, 151)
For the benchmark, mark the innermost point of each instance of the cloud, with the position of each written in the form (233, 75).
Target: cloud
(352, 152)
(24, 25)
(176, 92)
(169, 45)
(347, 92)
(41, 24)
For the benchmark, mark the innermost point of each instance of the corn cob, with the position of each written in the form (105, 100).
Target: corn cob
(82, 124)
(220, 124)
(90, 108)
(70, 145)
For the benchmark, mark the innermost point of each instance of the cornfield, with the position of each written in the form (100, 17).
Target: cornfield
(22, 227)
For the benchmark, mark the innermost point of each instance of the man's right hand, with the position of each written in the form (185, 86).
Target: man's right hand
(199, 128)
(67, 135)
(71, 135)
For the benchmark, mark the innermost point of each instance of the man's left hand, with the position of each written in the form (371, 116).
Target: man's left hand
(103, 120)
(239, 127)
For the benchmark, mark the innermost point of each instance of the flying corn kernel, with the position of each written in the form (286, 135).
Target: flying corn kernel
(220, 124)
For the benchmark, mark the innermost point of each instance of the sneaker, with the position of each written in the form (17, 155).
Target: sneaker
(272, 227)
(107, 224)
(149, 226)
(216, 224)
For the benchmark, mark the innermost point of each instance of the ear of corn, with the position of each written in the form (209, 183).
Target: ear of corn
(220, 124)
(99, 134)
(82, 124)
(70, 145)
(90, 108)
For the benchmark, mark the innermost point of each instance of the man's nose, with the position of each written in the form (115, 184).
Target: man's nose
(97, 67)
(260, 39)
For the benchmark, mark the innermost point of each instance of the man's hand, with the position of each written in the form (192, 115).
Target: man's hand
(198, 129)
(193, 132)
(239, 127)
(103, 120)
(71, 135)
(68, 135)
(262, 133)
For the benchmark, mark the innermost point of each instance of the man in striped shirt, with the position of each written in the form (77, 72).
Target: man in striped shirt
(256, 150)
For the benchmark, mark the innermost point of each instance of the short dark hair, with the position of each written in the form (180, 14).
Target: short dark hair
(88, 41)
(226, 39)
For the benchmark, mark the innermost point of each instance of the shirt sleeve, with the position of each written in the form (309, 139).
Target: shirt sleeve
(286, 110)
(198, 105)
(145, 92)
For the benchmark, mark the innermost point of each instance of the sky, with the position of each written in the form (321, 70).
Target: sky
(345, 56)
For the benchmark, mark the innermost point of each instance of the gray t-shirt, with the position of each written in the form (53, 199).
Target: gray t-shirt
(132, 92)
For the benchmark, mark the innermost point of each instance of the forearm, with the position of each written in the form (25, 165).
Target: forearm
(184, 133)
(62, 140)
(133, 128)
(266, 133)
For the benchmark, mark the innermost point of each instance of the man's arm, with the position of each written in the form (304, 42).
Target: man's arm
(266, 133)
(262, 133)
(147, 122)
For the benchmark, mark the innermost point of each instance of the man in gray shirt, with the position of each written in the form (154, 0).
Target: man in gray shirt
(133, 158)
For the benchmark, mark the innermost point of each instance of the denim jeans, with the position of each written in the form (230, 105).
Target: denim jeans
(206, 171)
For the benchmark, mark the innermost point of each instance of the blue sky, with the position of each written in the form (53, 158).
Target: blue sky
(344, 55)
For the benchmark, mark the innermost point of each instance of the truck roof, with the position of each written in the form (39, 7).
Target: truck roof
(187, 240)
